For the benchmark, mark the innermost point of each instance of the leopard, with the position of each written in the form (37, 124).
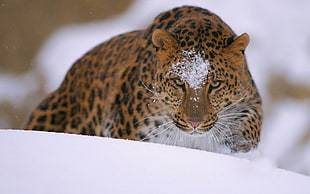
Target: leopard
(183, 81)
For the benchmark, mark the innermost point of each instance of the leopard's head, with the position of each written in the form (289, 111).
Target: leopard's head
(202, 79)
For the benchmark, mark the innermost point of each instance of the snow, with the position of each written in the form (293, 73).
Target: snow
(42, 162)
(13, 88)
(192, 68)
(287, 126)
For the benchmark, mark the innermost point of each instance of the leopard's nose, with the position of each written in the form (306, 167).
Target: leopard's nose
(194, 123)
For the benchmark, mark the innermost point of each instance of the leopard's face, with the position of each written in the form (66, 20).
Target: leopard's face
(196, 91)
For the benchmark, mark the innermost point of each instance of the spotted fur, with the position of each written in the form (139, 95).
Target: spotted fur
(146, 85)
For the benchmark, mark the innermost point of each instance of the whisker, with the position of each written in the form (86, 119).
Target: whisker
(230, 119)
(161, 129)
(234, 114)
(220, 132)
(156, 96)
(177, 137)
(224, 125)
(147, 88)
(169, 138)
(184, 140)
(233, 104)
(153, 118)
(229, 125)
(214, 136)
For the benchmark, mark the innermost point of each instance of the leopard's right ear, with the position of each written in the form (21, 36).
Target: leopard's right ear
(163, 40)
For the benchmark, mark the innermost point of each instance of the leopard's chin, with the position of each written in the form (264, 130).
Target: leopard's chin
(197, 133)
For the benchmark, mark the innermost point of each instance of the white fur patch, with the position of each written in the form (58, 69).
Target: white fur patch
(175, 136)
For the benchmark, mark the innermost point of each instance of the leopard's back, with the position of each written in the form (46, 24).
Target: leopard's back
(82, 101)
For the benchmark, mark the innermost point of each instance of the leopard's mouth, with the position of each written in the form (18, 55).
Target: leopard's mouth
(199, 130)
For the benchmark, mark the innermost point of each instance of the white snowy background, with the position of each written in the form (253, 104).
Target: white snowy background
(280, 44)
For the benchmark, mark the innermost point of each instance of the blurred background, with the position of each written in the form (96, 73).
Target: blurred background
(39, 41)
(25, 26)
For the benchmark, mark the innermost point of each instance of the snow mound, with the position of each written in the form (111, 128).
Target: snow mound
(40, 162)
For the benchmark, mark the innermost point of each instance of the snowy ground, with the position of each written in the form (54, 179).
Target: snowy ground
(280, 44)
(40, 162)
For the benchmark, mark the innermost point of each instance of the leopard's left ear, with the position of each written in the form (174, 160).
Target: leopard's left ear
(163, 39)
(234, 51)
(239, 43)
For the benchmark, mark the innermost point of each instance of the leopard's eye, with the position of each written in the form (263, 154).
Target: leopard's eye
(215, 84)
(178, 82)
